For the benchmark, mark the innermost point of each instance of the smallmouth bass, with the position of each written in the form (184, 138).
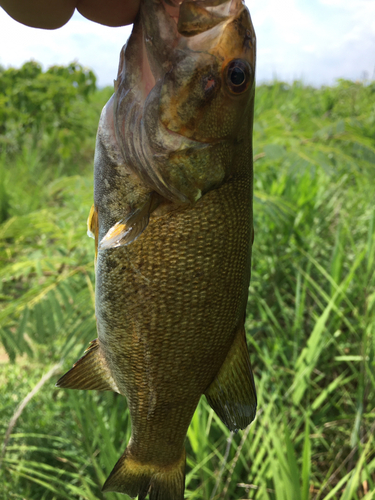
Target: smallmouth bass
(173, 226)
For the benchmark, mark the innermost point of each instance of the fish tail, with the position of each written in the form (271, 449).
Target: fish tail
(135, 478)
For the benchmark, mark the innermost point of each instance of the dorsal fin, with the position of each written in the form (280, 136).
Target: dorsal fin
(89, 372)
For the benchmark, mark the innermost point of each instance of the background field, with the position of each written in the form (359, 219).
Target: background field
(311, 310)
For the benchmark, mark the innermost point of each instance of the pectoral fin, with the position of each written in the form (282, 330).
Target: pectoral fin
(90, 372)
(232, 393)
(127, 230)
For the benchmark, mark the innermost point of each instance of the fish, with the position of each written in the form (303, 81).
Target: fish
(172, 221)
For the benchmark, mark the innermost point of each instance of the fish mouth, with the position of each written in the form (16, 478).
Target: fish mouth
(172, 8)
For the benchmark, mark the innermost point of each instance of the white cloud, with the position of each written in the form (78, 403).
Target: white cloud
(319, 41)
(91, 44)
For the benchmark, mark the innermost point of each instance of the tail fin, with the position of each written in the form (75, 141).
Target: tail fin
(134, 478)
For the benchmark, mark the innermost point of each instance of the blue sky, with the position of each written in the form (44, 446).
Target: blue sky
(313, 40)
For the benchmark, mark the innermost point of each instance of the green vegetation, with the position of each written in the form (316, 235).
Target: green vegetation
(311, 310)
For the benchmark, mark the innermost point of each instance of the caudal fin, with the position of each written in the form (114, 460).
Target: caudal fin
(134, 478)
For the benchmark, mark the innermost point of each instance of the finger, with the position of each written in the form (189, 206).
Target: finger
(47, 14)
(110, 12)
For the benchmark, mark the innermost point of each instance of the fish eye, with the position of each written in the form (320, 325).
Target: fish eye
(238, 74)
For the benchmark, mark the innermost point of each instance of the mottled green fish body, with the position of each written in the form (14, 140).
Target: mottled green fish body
(173, 224)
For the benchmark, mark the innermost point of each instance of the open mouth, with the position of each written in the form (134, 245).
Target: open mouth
(173, 9)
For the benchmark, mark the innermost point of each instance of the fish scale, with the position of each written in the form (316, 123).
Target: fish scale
(173, 226)
(198, 353)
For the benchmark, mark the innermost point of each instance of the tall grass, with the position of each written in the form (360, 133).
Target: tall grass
(310, 319)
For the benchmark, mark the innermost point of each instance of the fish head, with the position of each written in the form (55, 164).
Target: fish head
(184, 95)
(208, 92)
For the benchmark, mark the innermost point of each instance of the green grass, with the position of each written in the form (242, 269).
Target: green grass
(310, 318)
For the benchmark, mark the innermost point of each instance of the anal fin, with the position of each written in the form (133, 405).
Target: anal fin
(232, 393)
(89, 372)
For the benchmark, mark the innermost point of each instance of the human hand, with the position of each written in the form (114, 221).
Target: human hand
(52, 14)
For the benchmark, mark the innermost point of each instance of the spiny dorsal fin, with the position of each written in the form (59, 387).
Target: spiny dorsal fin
(232, 393)
(89, 372)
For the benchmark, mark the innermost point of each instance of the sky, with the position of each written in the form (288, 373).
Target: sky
(316, 41)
